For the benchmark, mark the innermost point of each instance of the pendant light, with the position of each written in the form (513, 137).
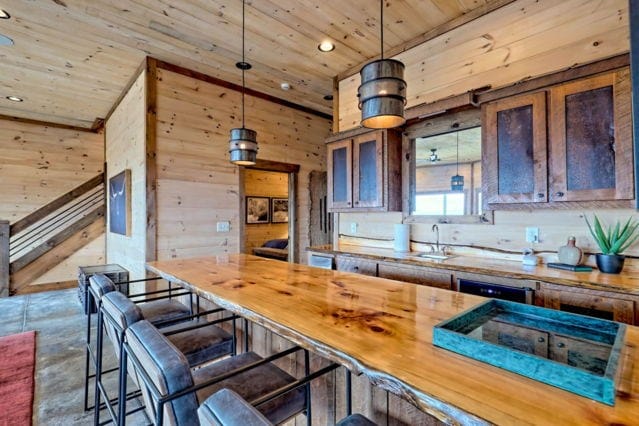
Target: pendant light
(457, 181)
(243, 143)
(382, 94)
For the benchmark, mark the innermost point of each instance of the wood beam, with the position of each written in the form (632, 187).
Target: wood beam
(151, 98)
(49, 124)
(4, 258)
(634, 70)
(251, 92)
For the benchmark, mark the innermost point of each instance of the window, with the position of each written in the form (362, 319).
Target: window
(441, 204)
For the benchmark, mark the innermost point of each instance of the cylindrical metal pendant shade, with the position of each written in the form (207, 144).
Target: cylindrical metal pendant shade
(382, 94)
(243, 146)
(457, 183)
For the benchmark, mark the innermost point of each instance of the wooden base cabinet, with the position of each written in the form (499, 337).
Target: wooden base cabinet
(364, 172)
(610, 306)
(356, 265)
(416, 275)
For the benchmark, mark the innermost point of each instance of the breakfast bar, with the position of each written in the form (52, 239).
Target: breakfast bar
(383, 329)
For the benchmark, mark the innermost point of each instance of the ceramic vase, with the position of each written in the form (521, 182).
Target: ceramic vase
(569, 254)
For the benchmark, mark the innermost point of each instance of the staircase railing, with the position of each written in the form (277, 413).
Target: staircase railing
(43, 230)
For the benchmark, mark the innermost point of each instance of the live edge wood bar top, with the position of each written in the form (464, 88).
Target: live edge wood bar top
(383, 329)
(626, 282)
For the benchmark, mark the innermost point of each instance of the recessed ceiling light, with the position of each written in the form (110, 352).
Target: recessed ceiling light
(15, 99)
(328, 97)
(4, 14)
(326, 46)
(285, 86)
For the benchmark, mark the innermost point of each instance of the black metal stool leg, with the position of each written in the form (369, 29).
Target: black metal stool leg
(246, 335)
(307, 371)
(98, 370)
(349, 402)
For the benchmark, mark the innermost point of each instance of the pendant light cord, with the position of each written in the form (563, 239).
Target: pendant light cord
(381, 26)
(243, 61)
(457, 153)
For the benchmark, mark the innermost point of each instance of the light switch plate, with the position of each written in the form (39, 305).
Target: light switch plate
(532, 235)
(224, 226)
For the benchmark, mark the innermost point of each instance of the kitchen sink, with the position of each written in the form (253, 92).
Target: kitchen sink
(435, 256)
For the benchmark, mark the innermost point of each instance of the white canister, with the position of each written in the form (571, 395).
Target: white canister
(402, 238)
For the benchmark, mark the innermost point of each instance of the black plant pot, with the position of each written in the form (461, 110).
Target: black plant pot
(610, 263)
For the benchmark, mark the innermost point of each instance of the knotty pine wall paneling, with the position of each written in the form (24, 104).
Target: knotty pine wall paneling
(39, 163)
(523, 39)
(196, 184)
(126, 149)
(260, 183)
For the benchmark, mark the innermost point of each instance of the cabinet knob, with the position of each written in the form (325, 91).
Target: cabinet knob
(356, 268)
(348, 202)
(559, 194)
(541, 340)
(561, 345)
(356, 202)
(540, 195)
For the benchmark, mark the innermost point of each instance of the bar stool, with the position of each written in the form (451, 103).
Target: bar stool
(200, 341)
(227, 408)
(160, 307)
(171, 391)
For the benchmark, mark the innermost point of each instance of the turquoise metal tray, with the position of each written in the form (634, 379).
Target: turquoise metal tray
(573, 352)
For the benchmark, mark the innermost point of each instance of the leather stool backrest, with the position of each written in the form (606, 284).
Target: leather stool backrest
(101, 285)
(227, 408)
(119, 314)
(168, 370)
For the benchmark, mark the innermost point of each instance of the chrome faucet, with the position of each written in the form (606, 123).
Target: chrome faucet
(435, 229)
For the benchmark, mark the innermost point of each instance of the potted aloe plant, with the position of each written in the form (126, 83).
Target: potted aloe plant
(613, 241)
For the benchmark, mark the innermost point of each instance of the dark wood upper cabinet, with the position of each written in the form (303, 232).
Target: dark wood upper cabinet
(364, 172)
(584, 156)
(514, 140)
(591, 140)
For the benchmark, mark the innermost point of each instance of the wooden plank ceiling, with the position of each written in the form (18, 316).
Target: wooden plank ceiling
(73, 58)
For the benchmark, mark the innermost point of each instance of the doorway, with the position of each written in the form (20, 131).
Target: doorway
(268, 205)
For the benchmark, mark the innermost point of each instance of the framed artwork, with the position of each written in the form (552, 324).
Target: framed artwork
(257, 210)
(279, 210)
(120, 203)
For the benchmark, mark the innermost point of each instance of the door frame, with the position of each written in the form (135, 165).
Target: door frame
(275, 166)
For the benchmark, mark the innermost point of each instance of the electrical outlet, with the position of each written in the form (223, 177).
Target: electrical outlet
(224, 226)
(532, 235)
(353, 227)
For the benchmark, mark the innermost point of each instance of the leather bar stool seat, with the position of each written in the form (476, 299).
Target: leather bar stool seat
(163, 371)
(227, 408)
(155, 311)
(198, 345)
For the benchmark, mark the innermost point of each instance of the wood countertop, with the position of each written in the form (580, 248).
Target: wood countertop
(626, 283)
(383, 329)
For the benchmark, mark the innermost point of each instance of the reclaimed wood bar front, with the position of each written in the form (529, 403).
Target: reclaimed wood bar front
(383, 329)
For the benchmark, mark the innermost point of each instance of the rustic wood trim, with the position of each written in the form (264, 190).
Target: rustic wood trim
(98, 125)
(441, 106)
(43, 211)
(560, 77)
(56, 240)
(48, 124)
(335, 105)
(460, 120)
(54, 257)
(634, 70)
(251, 92)
(131, 82)
(150, 101)
(478, 12)
(38, 288)
(347, 134)
(275, 166)
(4, 258)
(565, 205)
(293, 235)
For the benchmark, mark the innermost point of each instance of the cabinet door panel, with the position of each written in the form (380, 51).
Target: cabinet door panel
(590, 145)
(590, 304)
(358, 266)
(514, 141)
(416, 275)
(368, 170)
(340, 171)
